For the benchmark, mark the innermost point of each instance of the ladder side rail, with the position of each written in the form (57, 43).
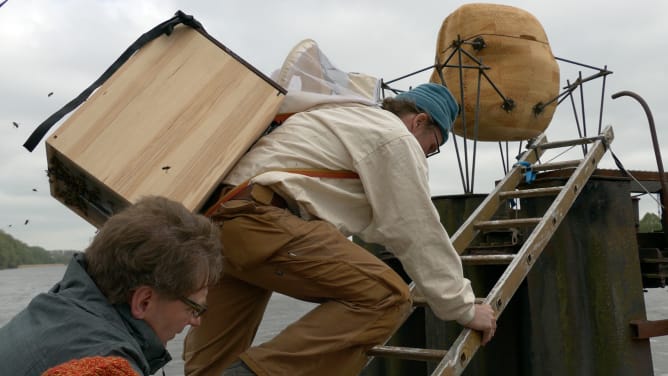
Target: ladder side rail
(468, 342)
(408, 353)
(466, 232)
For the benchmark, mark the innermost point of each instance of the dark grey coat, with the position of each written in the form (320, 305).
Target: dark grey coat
(75, 320)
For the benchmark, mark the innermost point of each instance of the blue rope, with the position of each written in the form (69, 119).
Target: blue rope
(529, 173)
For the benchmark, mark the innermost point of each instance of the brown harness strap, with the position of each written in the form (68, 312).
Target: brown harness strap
(280, 118)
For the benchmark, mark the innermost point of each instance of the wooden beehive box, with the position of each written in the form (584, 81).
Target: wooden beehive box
(171, 121)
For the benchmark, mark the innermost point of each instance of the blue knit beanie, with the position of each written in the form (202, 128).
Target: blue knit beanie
(435, 100)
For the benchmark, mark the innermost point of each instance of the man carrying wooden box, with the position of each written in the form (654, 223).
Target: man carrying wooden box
(323, 175)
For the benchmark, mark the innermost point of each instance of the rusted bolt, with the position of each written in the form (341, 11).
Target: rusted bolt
(478, 44)
(538, 108)
(508, 105)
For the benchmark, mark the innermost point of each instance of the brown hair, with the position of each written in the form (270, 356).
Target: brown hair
(155, 242)
(401, 107)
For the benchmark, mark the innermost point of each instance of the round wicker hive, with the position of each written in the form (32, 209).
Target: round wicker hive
(521, 66)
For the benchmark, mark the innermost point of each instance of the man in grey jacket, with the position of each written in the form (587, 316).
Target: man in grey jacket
(142, 280)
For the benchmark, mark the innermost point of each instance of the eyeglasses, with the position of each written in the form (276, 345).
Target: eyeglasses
(438, 149)
(197, 309)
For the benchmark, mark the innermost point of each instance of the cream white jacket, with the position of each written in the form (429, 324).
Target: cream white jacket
(389, 204)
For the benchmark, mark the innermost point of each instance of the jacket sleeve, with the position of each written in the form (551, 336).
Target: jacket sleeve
(395, 180)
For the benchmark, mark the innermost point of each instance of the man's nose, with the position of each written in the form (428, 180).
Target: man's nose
(195, 321)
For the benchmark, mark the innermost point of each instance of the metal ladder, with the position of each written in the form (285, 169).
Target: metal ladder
(455, 360)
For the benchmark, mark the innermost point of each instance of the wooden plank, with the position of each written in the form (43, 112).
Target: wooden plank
(643, 329)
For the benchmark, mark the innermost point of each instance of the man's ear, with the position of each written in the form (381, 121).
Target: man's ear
(421, 120)
(141, 301)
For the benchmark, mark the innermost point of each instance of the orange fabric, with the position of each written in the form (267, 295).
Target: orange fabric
(323, 173)
(280, 118)
(93, 366)
(312, 172)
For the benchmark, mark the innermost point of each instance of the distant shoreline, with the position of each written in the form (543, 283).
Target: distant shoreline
(28, 266)
(37, 265)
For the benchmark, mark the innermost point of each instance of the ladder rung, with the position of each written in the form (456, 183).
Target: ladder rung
(655, 275)
(491, 249)
(536, 192)
(420, 301)
(506, 223)
(409, 353)
(487, 259)
(650, 260)
(556, 165)
(561, 144)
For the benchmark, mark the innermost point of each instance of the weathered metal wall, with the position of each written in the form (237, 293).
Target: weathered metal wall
(586, 288)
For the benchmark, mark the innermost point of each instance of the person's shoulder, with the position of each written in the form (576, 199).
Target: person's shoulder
(343, 108)
(357, 114)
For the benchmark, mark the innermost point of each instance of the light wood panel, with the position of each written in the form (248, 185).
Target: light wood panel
(172, 121)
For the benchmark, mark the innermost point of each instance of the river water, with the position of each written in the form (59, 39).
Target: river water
(19, 286)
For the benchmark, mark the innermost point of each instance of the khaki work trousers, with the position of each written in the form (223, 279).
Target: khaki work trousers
(361, 300)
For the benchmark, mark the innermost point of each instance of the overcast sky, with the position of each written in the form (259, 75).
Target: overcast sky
(63, 46)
